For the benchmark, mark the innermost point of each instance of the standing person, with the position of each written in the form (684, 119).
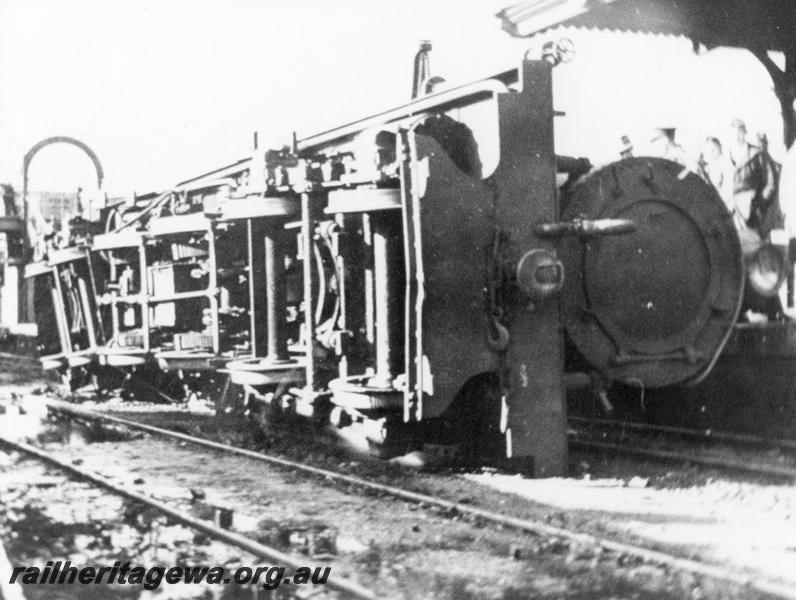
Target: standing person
(762, 144)
(626, 148)
(748, 177)
(766, 208)
(665, 146)
(9, 200)
(715, 168)
(787, 202)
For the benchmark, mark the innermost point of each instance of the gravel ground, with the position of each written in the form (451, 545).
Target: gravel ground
(694, 512)
(400, 549)
(749, 527)
(408, 551)
(49, 517)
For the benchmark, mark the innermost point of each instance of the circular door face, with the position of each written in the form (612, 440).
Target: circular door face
(653, 307)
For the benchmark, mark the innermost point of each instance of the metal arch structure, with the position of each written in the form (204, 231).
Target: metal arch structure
(61, 139)
(57, 139)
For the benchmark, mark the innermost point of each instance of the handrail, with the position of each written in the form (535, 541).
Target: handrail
(439, 101)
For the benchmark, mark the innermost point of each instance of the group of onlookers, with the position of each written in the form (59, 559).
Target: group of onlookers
(746, 178)
(744, 174)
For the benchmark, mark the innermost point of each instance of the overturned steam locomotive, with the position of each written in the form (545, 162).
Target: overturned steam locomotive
(408, 276)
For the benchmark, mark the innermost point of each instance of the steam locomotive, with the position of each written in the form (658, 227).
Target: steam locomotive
(407, 276)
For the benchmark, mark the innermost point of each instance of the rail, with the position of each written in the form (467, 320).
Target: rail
(228, 537)
(535, 527)
(706, 434)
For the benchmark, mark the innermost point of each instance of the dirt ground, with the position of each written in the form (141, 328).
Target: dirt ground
(410, 552)
(750, 527)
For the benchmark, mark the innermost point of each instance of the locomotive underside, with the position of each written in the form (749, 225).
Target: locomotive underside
(405, 278)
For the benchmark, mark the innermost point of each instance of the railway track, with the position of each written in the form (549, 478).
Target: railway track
(700, 434)
(626, 447)
(347, 587)
(469, 511)
(424, 544)
(741, 453)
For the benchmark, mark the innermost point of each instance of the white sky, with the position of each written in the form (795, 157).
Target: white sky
(166, 89)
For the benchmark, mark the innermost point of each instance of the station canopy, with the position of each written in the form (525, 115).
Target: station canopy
(768, 24)
(757, 25)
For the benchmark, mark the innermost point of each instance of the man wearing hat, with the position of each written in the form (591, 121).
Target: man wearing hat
(626, 147)
(769, 210)
(665, 146)
(754, 179)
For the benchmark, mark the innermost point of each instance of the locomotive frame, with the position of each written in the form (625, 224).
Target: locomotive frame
(400, 277)
(382, 298)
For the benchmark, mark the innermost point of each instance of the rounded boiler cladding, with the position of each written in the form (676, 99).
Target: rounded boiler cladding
(652, 307)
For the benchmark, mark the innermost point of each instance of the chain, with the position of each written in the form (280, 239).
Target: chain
(497, 313)
(497, 334)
